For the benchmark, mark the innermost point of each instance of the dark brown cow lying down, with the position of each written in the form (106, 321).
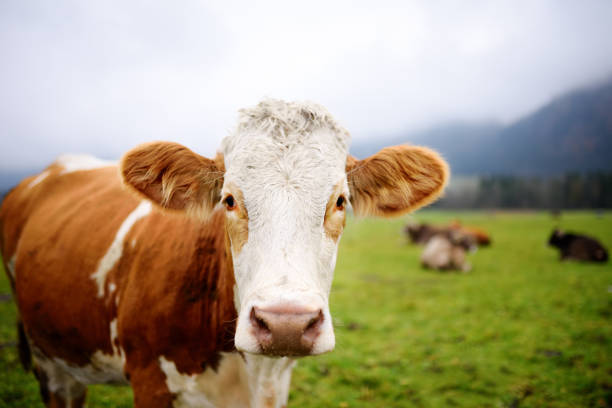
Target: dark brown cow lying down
(201, 285)
(578, 247)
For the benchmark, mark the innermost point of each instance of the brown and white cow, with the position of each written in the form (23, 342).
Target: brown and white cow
(447, 251)
(200, 282)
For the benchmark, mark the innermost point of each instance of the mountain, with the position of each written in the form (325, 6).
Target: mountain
(456, 141)
(571, 133)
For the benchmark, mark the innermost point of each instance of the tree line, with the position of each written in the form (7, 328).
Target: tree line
(571, 190)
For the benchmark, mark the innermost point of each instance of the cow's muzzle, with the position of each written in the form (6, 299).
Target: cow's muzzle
(286, 330)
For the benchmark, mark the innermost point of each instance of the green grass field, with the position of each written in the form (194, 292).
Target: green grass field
(521, 330)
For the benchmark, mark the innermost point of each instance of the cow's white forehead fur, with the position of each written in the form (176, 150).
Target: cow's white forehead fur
(286, 123)
(286, 159)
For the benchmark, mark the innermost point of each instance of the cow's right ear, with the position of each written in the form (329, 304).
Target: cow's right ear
(174, 177)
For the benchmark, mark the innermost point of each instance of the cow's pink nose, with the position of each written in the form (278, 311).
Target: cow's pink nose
(286, 330)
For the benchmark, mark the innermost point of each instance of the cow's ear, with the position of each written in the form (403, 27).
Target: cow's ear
(396, 180)
(174, 177)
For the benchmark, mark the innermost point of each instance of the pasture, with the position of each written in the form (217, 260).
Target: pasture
(520, 330)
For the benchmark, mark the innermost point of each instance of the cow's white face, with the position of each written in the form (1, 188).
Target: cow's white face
(285, 181)
(285, 196)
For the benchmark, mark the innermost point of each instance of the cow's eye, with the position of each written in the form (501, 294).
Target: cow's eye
(229, 202)
(340, 202)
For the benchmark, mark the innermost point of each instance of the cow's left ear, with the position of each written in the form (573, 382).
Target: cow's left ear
(174, 177)
(396, 180)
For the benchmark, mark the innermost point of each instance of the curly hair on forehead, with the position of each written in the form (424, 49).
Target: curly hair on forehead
(287, 123)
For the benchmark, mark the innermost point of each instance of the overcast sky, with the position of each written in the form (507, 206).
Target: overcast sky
(103, 76)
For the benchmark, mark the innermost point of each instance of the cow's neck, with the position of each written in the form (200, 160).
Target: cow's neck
(269, 379)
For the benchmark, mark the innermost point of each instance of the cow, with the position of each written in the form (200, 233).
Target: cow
(422, 233)
(577, 247)
(478, 235)
(447, 251)
(196, 281)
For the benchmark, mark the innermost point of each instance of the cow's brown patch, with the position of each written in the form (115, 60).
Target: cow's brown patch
(237, 218)
(16, 209)
(335, 215)
(149, 386)
(183, 295)
(58, 303)
(395, 180)
(269, 400)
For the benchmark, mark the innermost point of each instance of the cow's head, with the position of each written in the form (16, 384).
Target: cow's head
(556, 238)
(285, 182)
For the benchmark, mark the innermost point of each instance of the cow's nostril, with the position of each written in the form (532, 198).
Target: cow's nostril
(315, 322)
(261, 324)
(313, 328)
(258, 322)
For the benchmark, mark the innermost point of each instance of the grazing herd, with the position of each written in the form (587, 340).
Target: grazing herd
(446, 247)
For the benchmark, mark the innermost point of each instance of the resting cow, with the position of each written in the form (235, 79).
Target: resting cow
(422, 233)
(578, 247)
(447, 252)
(197, 281)
(478, 235)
